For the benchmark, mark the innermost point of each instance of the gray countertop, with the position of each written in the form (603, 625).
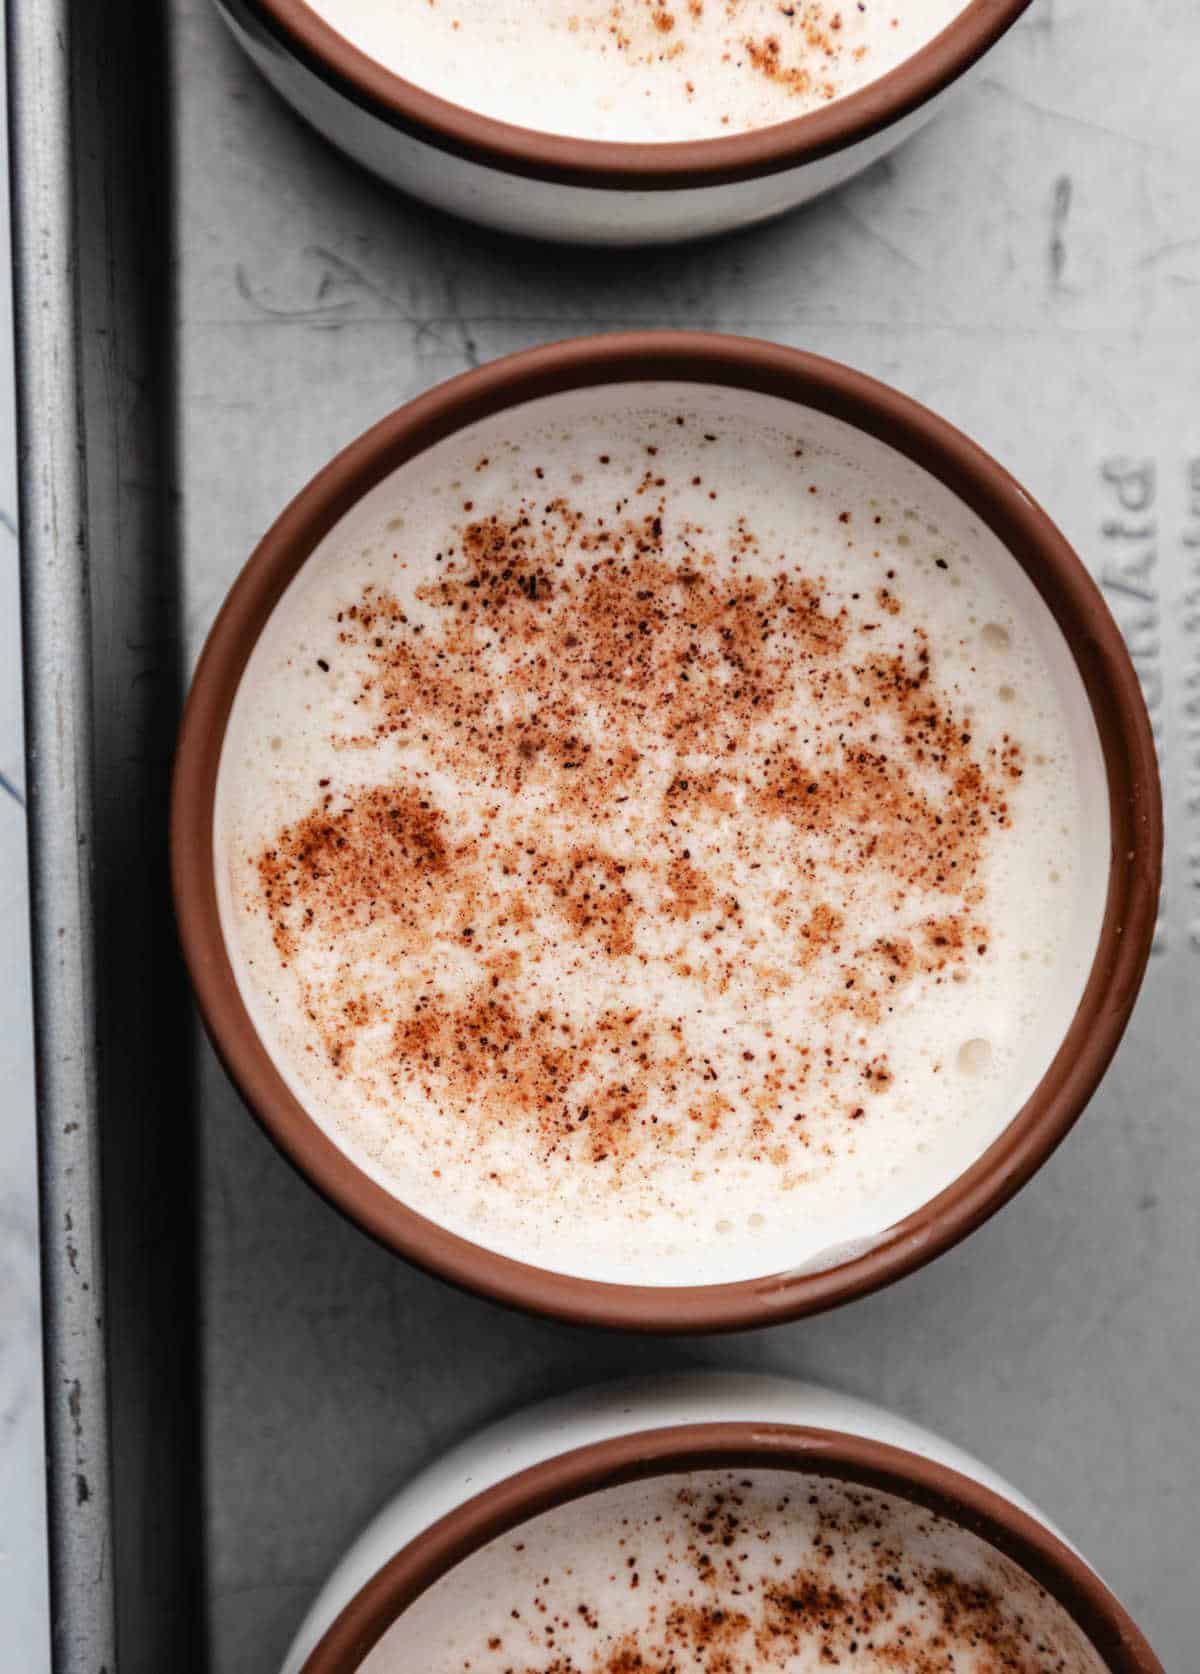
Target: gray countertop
(1029, 266)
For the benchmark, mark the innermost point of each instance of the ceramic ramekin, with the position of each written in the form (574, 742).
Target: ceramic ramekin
(589, 191)
(1108, 679)
(415, 1540)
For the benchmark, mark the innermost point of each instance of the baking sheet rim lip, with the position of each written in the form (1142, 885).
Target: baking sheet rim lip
(1109, 679)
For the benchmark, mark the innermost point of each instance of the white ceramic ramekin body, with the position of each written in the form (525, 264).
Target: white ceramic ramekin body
(546, 208)
(593, 1415)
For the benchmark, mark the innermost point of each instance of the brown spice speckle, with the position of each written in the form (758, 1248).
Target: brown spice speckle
(637, 721)
(728, 1601)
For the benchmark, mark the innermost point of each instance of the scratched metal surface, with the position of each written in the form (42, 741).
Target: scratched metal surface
(1031, 268)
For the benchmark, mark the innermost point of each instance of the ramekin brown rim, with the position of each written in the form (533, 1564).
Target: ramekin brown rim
(741, 1445)
(1105, 668)
(621, 165)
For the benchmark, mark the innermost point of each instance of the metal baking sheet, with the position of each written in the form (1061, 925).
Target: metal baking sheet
(218, 305)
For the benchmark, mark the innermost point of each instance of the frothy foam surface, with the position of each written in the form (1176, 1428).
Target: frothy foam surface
(661, 835)
(640, 70)
(737, 1571)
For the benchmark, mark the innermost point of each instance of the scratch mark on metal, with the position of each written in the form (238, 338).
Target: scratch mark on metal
(248, 293)
(339, 268)
(469, 349)
(12, 790)
(75, 1407)
(876, 237)
(338, 290)
(1060, 211)
(1176, 247)
(455, 315)
(1085, 123)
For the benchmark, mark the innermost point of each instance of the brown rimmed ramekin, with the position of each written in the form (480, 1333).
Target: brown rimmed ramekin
(950, 1495)
(1107, 676)
(552, 186)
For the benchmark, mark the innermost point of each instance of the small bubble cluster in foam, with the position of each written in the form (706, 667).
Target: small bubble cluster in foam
(640, 69)
(726, 1570)
(657, 891)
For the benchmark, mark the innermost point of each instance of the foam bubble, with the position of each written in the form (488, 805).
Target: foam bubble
(975, 1056)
